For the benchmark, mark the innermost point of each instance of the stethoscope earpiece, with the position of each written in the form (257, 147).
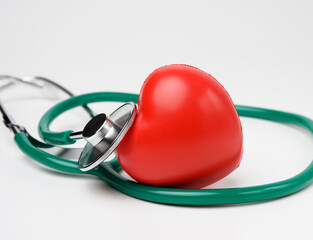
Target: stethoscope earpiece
(104, 133)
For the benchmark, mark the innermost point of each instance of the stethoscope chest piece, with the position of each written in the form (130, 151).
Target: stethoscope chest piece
(104, 133)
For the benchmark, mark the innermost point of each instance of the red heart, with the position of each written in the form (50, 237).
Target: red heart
(187, 132)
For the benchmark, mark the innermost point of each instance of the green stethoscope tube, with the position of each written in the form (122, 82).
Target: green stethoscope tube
(108, 171)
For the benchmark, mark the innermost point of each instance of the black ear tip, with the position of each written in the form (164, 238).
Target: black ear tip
(94, 125)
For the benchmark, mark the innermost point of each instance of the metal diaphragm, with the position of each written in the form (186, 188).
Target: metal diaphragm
(104, 133)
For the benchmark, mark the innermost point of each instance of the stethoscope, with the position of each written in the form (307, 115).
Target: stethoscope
(103, 133)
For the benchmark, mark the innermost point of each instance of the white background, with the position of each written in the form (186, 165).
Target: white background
(261, 51)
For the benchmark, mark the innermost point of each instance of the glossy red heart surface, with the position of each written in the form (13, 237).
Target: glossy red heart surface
(187, 132)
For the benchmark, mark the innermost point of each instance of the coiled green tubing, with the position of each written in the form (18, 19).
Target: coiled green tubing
(109, 171)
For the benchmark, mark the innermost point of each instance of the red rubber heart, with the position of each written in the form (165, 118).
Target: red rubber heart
(187, 132)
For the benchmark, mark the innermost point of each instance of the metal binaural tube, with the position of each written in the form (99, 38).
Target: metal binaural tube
(31, 81)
